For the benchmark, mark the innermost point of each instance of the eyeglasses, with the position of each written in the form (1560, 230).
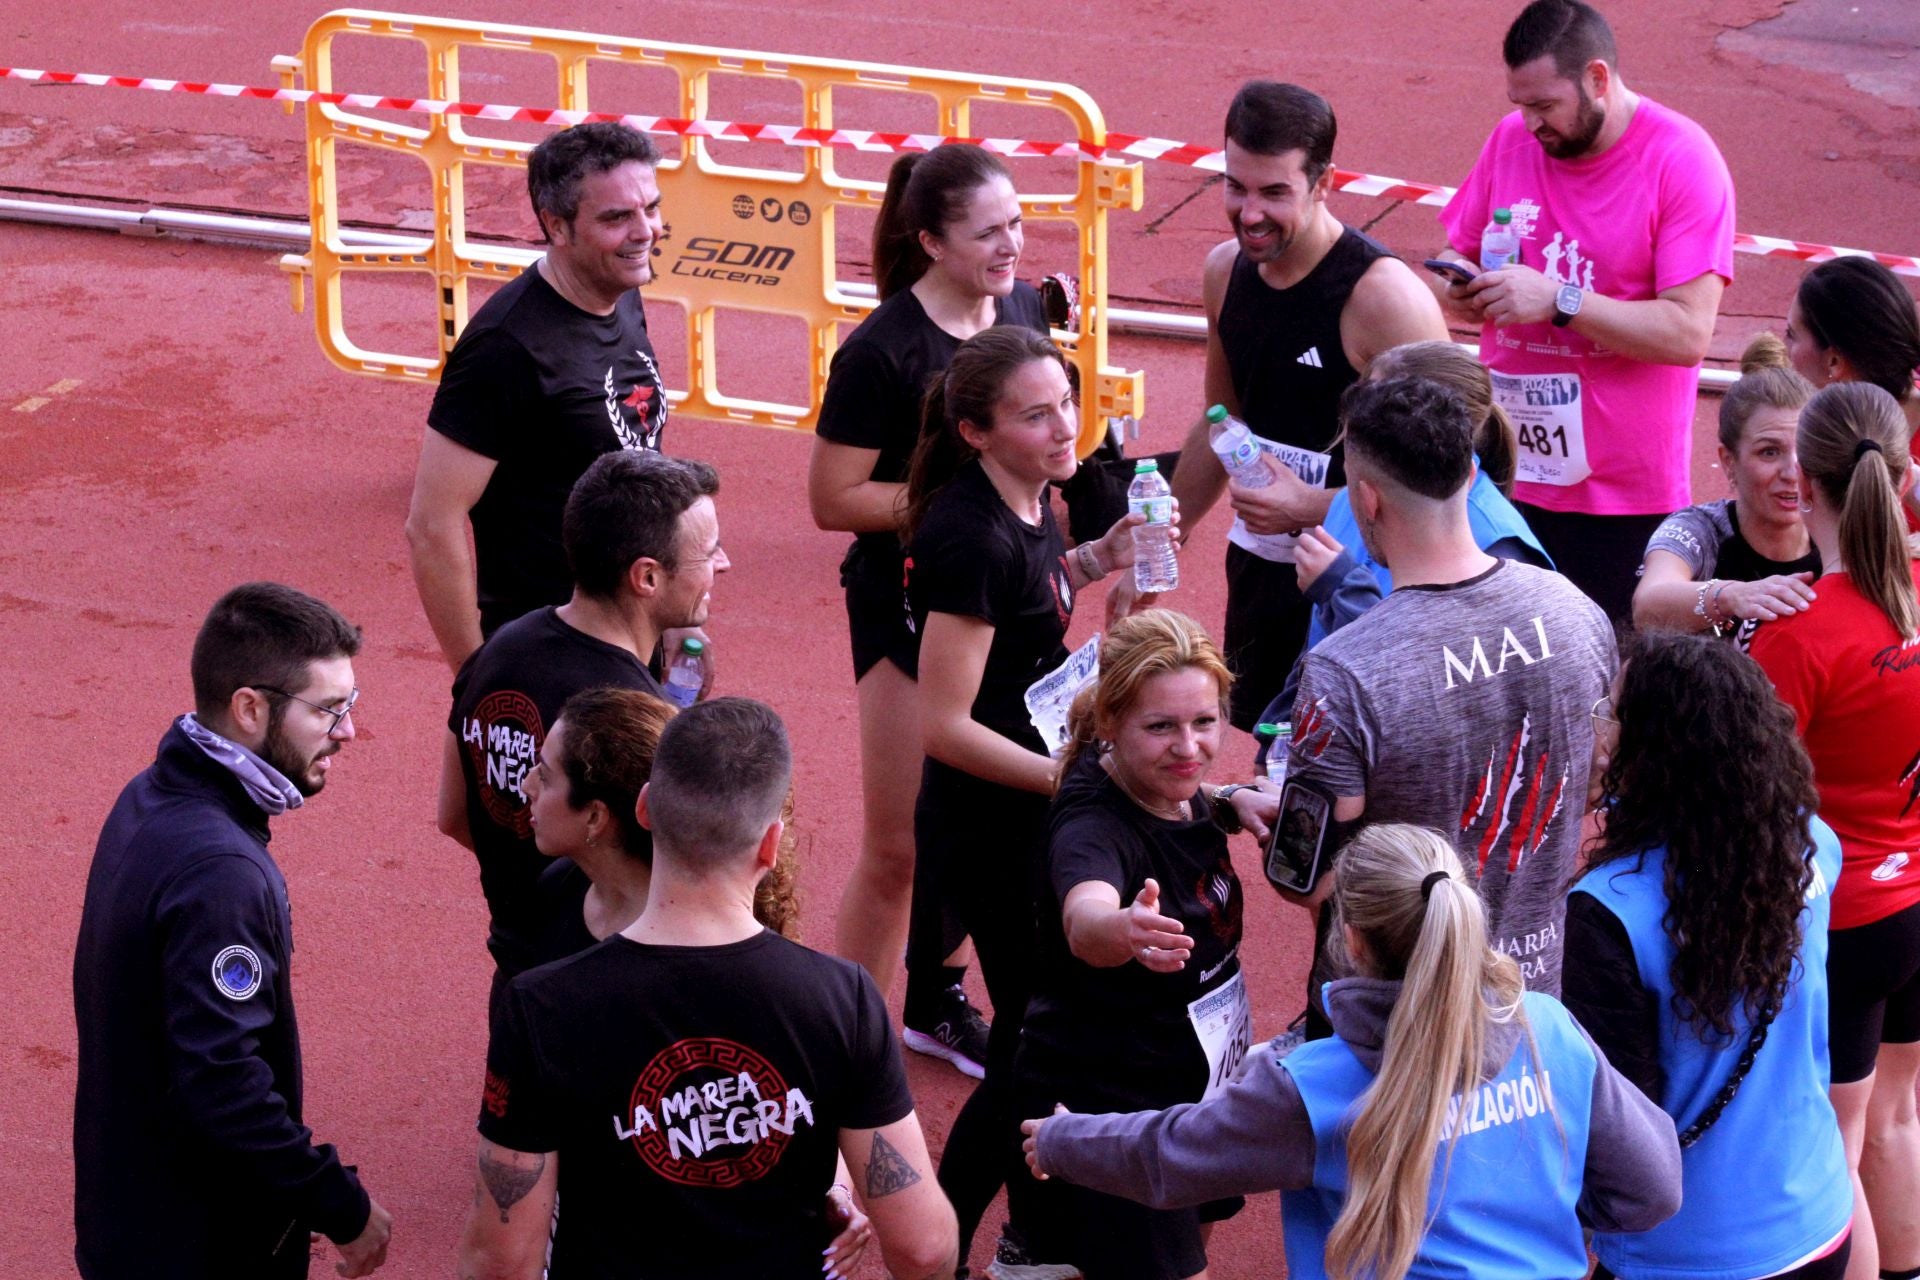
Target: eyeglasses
(334, 717)
(1602, 711)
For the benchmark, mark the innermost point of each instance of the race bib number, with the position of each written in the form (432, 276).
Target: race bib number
(1050, 698)
(1312, 469)
(1548, 420)
(1223, 1020)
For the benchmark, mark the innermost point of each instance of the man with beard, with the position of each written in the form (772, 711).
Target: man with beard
(1623, 213)
(1297, 306)
(191, 1159)
(643, 539)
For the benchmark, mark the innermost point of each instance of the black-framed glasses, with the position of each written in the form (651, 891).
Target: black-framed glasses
(334, 716)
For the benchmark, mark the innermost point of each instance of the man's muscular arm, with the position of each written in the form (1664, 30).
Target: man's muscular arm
(448, 484)
(512, 1213)
(894, 1177)
(1389, 306)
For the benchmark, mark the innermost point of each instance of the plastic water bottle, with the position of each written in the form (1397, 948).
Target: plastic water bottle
(684, 674)
(1499, 247)
(1156, 567)
(1279, 738)
(1236, 448)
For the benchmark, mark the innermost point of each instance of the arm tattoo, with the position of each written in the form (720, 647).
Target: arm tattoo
(509, 1184)
(887, 1170)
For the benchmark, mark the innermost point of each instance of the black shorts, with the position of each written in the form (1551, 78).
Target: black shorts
(877, 619)
(1601, 555)
(1266, 628)
(1873, 991)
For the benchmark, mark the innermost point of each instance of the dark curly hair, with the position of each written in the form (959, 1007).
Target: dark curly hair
(1709, 765)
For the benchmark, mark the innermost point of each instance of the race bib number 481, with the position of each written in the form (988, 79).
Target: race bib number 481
(1548, 419)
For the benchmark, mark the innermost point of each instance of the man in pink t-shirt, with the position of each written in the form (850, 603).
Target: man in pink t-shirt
(1623, 214)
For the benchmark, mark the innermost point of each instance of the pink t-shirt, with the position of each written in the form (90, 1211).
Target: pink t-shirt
(1653, 211)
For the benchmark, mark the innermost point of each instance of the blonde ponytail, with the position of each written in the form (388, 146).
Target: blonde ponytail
(1403, 891)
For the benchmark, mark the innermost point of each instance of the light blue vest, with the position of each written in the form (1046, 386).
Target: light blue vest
(1504, 1208)
(1493, 519)
(1767, 1184)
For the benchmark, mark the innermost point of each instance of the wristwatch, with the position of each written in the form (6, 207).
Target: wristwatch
(1219, 800)
(1566, 304)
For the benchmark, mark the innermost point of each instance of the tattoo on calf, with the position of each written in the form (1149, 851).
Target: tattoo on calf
(509, 1184)
(887, 1170)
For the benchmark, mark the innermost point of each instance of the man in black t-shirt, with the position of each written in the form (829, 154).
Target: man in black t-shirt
(644, 541)
(555, 370)
(1297, 306)
(686, 1085)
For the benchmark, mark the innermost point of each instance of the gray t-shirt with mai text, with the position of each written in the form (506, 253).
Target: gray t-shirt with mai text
(1465, 708)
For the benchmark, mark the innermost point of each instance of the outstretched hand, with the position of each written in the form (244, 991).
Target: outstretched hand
(1158, 942)
(1031, 1128)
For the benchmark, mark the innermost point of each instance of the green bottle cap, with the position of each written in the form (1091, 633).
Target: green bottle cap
(1503, 216)
(693, 646)
(1217, 414)
(1267, 730)
(1145, 465)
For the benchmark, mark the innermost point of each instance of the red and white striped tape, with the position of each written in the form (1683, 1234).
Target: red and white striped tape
(1118, 145)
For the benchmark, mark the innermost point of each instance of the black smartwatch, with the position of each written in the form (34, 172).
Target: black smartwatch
(1219, 801)
(1566, 304)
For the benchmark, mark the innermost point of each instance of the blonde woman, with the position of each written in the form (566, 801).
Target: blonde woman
(1138, 998)
(1449, 1127)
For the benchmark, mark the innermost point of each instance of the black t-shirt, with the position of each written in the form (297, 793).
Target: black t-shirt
(1739, 560)
(543, 388)
(696, 1097)
(879, 376)
(505, 698)
(1120, 1039)
(561, 897)
(972, 556)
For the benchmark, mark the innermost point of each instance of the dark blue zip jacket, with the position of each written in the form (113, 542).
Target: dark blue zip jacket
(190, 1158)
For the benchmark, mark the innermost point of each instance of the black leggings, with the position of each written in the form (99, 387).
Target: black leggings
(1831, 1267)
(979, 846)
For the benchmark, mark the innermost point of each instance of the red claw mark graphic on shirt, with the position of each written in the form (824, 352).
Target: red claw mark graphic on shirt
(1910, 779)
(1506, 778)
(1311, 732)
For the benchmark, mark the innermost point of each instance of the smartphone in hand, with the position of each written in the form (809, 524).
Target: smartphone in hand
(1450, 271)
(1297, 852)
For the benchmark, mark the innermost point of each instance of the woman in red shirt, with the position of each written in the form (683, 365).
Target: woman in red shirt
(1849, 667)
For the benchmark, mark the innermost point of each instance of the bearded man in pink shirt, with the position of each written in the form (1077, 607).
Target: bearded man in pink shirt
(1623, 213)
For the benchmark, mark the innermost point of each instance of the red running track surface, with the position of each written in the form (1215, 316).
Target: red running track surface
(168, 428)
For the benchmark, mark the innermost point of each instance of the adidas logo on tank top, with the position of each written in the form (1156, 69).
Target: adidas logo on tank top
(1310, 357)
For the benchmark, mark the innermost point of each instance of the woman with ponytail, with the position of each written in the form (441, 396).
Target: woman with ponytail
(1745, 559)
(1849, 668)
(946, 245)
(1449, 1128)
(1139, 1000)
(1852, 320)
(1701, 931)
(992, 588)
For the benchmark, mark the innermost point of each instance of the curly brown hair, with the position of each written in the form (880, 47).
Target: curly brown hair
(1710, 766)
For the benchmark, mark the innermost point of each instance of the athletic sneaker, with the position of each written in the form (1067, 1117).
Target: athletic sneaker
(1011, 1261)
(950, 1029)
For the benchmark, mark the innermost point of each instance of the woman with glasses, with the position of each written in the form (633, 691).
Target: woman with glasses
(1849, 667)
(1701, 932)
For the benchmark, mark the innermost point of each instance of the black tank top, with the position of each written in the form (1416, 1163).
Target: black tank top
(1283, 346)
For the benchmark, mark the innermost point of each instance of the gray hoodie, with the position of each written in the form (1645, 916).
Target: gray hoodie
(1255, 1136)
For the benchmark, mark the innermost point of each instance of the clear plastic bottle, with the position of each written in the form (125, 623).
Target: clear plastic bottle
(1156, 566)
(1279, 738)
(1236, 448)
(1499, 246)
(685, 674)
